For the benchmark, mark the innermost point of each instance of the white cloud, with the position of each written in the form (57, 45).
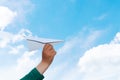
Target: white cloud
(16, 71)
(56, 69)
(22, 7)
(5, 38)
(25, 63)
(80, 40)
(6, 16)
(21, 34)
(101, 17)
(16, 49)
(16, 12)
(72, 47)
(12, 43)
(116, 39)
(98, 63)
(101, 62)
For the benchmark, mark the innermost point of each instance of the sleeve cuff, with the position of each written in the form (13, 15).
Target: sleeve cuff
(37, 74)
(33, 75)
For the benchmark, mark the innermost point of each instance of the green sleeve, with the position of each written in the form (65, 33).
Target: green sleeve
(33, 75)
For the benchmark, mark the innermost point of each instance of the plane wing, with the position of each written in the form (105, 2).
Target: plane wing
(35, 43)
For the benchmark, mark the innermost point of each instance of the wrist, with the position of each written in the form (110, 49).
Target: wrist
(42, 67)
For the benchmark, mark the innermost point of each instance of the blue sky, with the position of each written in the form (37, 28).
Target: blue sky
(65, 18)
(90, 30)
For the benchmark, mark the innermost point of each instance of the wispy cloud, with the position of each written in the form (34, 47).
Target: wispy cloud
(16, 49)
(98, 63)
(7, 38)
(71, 51)
(6, 17)
(12, 43)
(101, 17)
(83, 40)
(23, 65)
(21, 8)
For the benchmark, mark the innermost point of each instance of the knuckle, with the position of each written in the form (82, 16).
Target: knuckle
(54, 52)
(48, 44)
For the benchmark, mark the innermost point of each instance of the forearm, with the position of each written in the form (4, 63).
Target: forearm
(48, 54)
(42, 67)
(47, 58)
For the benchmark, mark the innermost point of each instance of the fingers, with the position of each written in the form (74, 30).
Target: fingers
(48, 53)
(54, 52)
(49, 48)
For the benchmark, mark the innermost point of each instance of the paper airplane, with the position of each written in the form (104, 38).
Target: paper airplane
(35, 43)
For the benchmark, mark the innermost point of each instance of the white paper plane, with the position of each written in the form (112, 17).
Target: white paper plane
(35, 43)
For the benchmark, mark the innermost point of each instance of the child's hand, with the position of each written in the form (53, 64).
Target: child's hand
(48, 54)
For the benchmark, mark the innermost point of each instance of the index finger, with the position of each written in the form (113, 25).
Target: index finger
(47, 46)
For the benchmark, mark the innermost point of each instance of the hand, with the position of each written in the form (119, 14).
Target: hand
(48, 54)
